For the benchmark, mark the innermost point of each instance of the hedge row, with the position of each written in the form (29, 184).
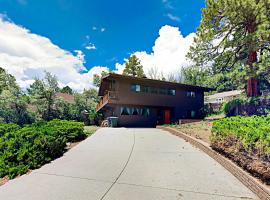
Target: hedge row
(253, 132)
(32, 146)
(4, 128)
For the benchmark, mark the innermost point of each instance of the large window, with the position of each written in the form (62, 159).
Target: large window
(135, 88)
(162, 91)
(135, 111)
(171, 92)
(191, 94)
(153, 90)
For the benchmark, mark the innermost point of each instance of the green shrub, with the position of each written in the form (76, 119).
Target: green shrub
(33, 145)
(253, 132)
(71, 130)
(4, 128)
(229, 108)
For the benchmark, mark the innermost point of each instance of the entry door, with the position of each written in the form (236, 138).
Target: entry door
(167, 116)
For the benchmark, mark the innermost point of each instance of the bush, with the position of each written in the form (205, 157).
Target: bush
(71, 130)
(4, 128)
(32, 146)
(230, 108)
(252, 132)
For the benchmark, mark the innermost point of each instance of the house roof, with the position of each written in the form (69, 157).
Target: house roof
(145, 80)
(225, 94)
(67, 97)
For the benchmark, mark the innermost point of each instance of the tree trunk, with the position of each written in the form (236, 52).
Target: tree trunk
(252, 89)
(252, 86)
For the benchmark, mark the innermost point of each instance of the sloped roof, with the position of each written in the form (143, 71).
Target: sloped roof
(225, 94)
(67, 97)
(120, 76)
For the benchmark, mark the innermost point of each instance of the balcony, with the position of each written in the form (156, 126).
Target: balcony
(105, 99)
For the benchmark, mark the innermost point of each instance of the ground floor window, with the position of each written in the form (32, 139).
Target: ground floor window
(191, 113)
(135, 111)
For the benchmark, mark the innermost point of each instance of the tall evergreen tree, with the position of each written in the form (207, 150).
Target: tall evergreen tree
(66, 90)
(133, 67)
(233, 38)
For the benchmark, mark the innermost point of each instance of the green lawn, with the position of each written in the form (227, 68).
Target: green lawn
(89, 130)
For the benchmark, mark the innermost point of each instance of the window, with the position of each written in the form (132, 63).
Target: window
(145, 89)
(171, 92)
(190, 94)
(112, 85)
(135, 111)
(153, 90)
(124, 111)
(193, 114)
(135, 88)
(145, 112)
(162, 91)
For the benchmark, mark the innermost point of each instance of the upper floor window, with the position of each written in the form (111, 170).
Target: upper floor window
(135, 88)
(191, 94)
(112, 85)
(145, 89)
(154, 90)
(171, 92)
(162, 91)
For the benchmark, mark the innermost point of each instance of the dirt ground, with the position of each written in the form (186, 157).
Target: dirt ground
(200, 130)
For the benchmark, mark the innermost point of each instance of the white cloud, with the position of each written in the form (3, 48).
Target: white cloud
(173, 17)
(168, 4)
(102, 29)
(119, 68)
(168, 54)
(90, 46)
(26, 55)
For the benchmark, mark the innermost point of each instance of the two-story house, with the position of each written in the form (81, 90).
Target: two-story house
(148, 102)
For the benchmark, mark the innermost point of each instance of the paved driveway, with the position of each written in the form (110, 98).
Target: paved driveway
(129, 164)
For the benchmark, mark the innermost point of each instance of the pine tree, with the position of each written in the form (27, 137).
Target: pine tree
(133, 67)
(233, 38)
(66, 90)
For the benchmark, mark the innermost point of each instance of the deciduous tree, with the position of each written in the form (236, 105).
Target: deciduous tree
(43, 92)
(97, 78)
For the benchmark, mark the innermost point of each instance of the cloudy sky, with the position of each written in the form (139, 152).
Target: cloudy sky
(75, 39)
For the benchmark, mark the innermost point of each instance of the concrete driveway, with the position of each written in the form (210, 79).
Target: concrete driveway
(129, 164)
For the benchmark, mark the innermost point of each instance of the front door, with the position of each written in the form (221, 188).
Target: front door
(167, 116)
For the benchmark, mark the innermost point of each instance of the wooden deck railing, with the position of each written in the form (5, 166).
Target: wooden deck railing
(105, 99)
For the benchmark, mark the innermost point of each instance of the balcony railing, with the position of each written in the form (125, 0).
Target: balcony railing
(105, 99)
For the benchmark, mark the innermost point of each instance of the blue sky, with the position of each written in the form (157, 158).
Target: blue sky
(129, 25)
(111, 30)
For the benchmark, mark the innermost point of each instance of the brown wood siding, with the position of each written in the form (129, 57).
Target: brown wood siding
(179, 105)
(180, 102)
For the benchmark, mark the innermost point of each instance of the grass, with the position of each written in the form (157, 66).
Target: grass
(89, 130)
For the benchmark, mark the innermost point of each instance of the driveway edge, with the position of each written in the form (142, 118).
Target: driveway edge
(256, 187)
